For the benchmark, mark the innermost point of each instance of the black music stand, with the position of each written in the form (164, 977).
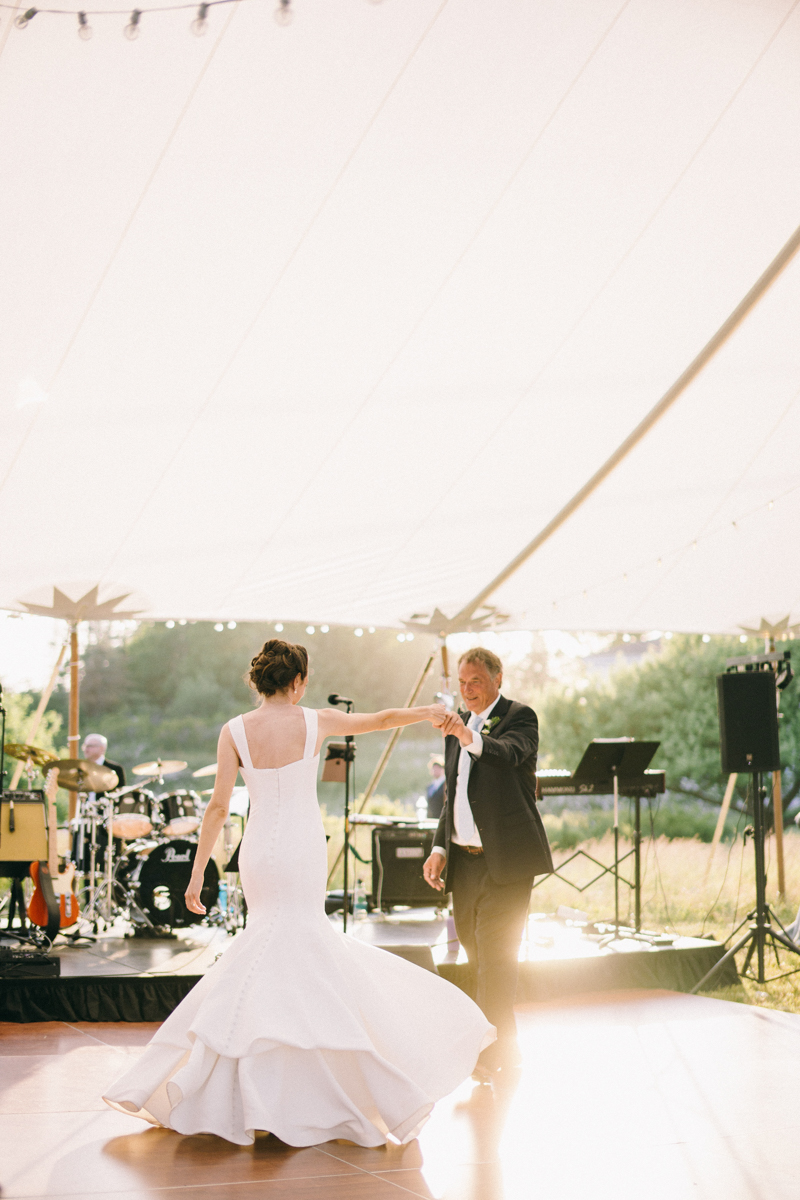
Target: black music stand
(606, 763)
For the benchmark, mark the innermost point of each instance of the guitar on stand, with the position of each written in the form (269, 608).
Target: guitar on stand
(48, 878)
(44, 909)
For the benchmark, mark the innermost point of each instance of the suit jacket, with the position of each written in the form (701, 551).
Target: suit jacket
(502, 796)
(119, 771)
(435, 796)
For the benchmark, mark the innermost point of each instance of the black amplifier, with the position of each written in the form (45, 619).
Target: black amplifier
(21, 962)
(398, 853)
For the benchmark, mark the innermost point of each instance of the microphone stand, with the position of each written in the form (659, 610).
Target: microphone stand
(349, 758)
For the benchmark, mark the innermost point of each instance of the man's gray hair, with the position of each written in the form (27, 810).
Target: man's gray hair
(95, 737)
(479, 654)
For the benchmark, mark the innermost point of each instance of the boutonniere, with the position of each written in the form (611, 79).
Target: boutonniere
(489, 725)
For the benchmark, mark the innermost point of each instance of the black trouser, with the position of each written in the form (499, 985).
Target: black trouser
(490, 920)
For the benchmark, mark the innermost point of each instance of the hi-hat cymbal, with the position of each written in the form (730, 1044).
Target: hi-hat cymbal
(34, 754)
(161, 766)
(81, 775)
(211, 769)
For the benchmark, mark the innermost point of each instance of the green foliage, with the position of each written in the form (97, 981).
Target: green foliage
(669, 697)
(49, 736)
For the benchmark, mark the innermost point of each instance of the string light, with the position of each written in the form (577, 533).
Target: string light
(24, 19)
(310, 629)
(278, 627)
(199, 25)
(170, 624)
(84, 28)
(218, 628)
(770, 505)
(358, 632)
(324, 628)
(131, 30)
(283, 13)
(231, 624)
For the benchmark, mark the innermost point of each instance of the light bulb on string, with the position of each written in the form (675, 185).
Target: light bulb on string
(283, 13)
(200, 24)
(84, 28)
(131, 30)
(24, 19)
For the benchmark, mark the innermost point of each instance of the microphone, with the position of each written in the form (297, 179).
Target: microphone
(335, 698)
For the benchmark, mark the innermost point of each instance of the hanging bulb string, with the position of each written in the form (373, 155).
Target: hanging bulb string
(113, 12)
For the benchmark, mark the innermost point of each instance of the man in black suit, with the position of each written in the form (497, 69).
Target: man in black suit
(94, 749)
(491, 841)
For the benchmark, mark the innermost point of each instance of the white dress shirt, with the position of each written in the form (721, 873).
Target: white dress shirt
(464, 830)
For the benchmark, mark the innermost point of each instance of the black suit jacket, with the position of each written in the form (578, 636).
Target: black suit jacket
(118, 770)
(502, 796)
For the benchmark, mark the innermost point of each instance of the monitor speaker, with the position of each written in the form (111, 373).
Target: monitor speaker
(748, 721)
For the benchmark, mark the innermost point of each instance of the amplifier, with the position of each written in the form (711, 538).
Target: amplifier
(19, 962)
(23, 827)
(397, 857)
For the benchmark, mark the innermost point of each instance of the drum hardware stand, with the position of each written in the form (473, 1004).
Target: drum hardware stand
(337, 768)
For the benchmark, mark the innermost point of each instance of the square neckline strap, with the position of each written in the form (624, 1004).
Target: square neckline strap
(239, 735)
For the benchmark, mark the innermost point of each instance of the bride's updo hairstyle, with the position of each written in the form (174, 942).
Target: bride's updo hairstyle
(276, 666)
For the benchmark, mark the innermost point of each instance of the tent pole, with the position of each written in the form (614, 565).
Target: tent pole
(723, 813)
(37, 716)
(387, 752)
(73, 740)
(728, 327)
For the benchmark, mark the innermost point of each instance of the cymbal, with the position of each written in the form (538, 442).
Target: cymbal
(211, 769)
(161, 766)
(81, 775)
(34, 754)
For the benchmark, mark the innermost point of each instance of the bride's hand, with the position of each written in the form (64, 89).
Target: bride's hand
(192, 895)
(436, 715)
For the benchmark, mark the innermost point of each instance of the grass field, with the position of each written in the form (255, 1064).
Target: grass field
(684, 892)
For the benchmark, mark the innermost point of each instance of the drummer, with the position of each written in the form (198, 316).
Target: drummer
(94, 749)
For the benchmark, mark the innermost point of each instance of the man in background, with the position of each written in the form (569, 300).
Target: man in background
(434, 792)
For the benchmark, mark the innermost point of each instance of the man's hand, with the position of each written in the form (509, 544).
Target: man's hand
(432, 870)
(452, 724)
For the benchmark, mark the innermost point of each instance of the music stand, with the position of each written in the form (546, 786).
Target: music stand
(606, 762)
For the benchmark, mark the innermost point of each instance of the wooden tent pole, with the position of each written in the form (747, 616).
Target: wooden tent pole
(73, 738)
(777, 808)
(33, 728)
(759, 288)
(387, 752)
(723, 813)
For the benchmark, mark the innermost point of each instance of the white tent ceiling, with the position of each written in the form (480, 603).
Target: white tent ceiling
(327, 321)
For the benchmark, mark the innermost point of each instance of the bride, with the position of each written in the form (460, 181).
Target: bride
(299, 1029)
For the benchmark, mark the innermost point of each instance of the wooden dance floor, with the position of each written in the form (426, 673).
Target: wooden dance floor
(622, 1096)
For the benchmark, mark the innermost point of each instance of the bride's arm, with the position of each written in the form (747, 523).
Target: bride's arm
(333, 723)
(214, 817)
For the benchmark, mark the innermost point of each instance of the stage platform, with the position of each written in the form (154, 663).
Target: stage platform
(136, 979)
(642, 1095)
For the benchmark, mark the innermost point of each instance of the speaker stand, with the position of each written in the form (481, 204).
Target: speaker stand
(762, 930)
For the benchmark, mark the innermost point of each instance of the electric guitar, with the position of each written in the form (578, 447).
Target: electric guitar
(59, 882)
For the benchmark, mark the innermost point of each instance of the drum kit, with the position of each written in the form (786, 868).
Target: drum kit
(135, 847)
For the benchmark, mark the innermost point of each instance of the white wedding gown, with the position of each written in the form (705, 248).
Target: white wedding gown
(298, 1029)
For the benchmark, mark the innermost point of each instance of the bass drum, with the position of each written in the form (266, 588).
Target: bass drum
(161, 876)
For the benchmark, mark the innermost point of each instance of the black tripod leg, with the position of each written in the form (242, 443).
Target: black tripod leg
(753, 935)
(719, 965)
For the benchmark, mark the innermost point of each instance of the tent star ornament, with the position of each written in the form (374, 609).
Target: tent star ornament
(87, 608)
(781, 631)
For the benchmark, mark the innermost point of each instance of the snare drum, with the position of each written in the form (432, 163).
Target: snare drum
(180, 812)
(133, 815)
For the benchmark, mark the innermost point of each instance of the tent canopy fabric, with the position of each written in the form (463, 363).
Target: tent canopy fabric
(326, 321)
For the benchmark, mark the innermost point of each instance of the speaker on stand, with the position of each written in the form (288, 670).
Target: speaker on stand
(747, 696)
